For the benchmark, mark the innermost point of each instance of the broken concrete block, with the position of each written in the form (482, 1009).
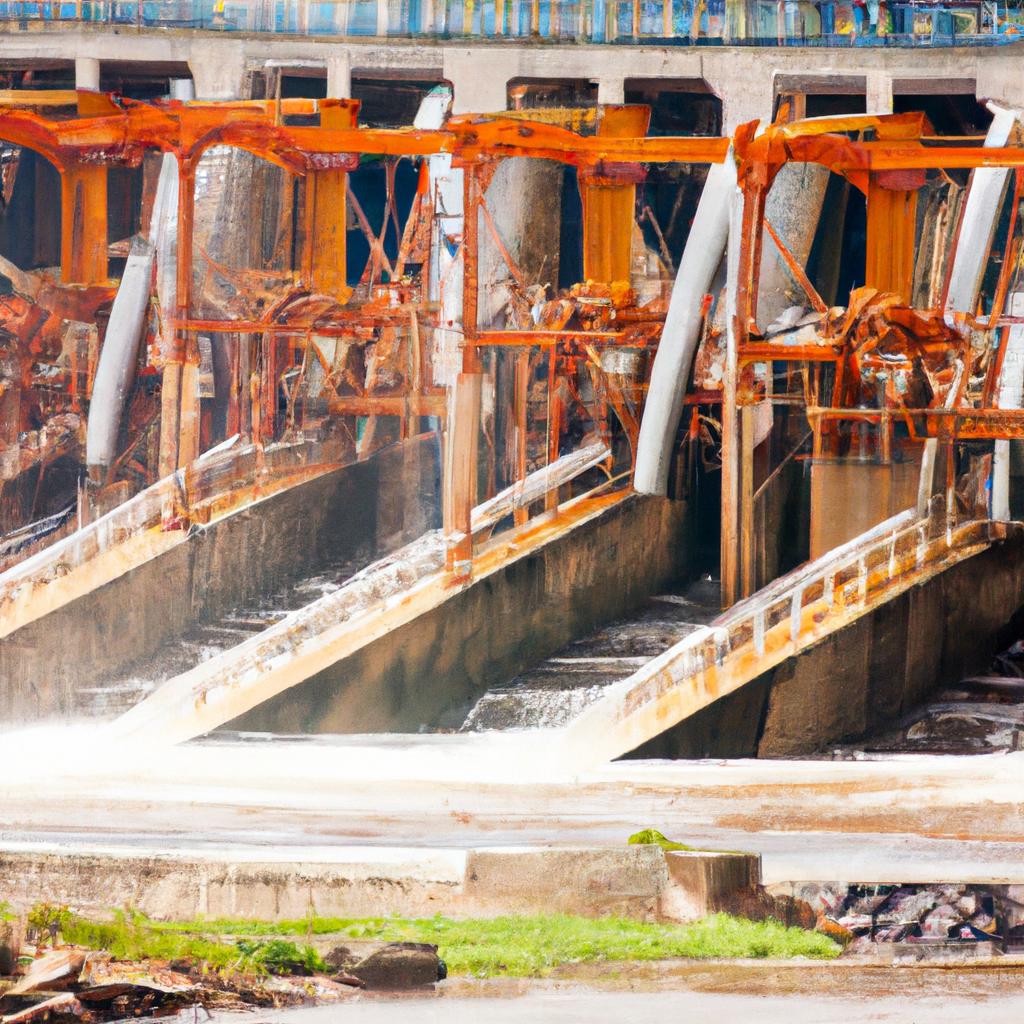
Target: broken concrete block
(702, 882)
(61, 967)
(401, 965)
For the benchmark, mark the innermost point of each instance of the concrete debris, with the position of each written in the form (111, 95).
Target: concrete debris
(101, 988)
(63, 1005)
(49, 971)
(946, 917)
(104, 979)
(401, 965)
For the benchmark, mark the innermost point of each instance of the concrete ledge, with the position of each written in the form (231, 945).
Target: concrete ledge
(702, 882)
(631, 881)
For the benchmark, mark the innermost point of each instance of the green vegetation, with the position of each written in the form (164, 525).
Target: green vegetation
(652, 837)
(513, 946)
(132, 936)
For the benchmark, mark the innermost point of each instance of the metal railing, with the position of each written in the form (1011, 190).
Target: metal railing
(829, 23)
(780, 621)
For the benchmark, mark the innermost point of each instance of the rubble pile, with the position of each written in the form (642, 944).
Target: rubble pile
(948, 916)
(67, 983)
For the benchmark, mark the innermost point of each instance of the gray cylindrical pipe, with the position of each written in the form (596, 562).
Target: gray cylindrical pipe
(793, 208)
(973, 251)
(116, 365)
(704, 250)
(117, 358)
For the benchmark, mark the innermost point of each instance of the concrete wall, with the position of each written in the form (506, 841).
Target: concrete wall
(869, 674)
(744, 77)
(359, 512)
(631, 881)
(430, 671)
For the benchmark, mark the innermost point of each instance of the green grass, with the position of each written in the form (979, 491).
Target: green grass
(132, 936)
(512, 946)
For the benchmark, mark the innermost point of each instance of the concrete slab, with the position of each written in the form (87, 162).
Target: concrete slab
(907, 819)
(368, 881)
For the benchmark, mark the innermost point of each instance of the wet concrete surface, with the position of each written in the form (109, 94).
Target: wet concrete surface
(554, 692)
(773, 993)
(979, 715)
(916, 819)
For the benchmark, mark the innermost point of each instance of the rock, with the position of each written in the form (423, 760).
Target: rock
(834, 930)
(869, 904)
(401, 965)
(859, 924)
(910, 907)
(826, 898)
(940, 923)
(341, 958)
(967, 905)
(896, 932)
(861, 946)
(758, 904)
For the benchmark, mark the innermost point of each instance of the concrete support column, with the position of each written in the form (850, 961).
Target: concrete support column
(746, 96)
(87, 73)
(217, 71)
(339, 77)
(879, 93)
(183, 89)
(611, 90)
(474, 92)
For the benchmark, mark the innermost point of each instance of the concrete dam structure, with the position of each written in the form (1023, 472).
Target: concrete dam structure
(442, 445)
(447, 450)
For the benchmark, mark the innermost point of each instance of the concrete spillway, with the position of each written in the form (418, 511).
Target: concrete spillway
(203, 641)
(164, 583)
(555, 691)
(548, 655)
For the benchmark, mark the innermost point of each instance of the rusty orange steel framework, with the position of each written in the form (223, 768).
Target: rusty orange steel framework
(887, 159)
(884, 157)
(113, 131)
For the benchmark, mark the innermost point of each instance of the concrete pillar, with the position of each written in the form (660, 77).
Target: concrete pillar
(477, 92)
(339, 77)
(747, 93)
(611, 90)
(217, 70)
(87, 73)
(183, 89)
(879, 93)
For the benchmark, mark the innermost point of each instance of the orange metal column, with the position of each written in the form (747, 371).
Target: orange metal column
(325, 221)
(892, 221)
(83, 210)
(179, 393)
(609, 198)
(460, 485)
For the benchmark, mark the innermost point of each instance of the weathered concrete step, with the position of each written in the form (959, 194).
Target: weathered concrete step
(347, 882)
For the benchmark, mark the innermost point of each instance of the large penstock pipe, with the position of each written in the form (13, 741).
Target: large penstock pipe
(670, 373)
(973, 247)
(119, 354)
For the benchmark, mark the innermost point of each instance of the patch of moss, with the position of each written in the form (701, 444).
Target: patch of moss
(652, 837)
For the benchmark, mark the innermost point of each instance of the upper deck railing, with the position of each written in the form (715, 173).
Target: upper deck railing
(830, 23)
